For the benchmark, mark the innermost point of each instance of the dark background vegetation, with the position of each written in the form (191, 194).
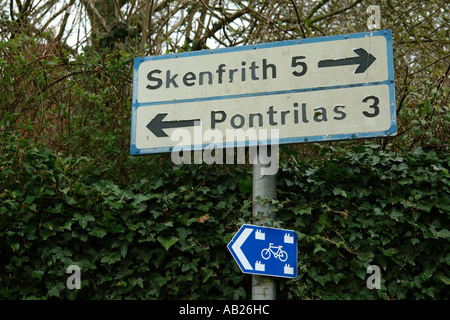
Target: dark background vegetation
(144, 228)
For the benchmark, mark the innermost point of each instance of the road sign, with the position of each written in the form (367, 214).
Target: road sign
(317, 89)
(265, 251)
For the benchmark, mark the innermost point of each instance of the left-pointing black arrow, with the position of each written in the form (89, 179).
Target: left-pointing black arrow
(364, 59)
(157, 125)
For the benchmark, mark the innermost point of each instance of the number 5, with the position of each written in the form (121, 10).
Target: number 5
(296, 63)
(374, 106)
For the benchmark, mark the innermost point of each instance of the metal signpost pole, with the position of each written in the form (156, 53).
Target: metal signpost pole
(264, 188)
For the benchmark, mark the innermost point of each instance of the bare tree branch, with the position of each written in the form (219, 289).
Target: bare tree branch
(334, 13)
(97, 14)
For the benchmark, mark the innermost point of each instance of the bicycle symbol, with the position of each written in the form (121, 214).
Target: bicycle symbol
(276, 251)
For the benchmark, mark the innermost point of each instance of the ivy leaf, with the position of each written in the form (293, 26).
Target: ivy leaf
(246, 185)
(239, 292)
(444, 279)
(322, 223)
(15, 246)
(167, 242)
(98, 232)
(38, 274)
(336, 277)
(139, 198)
(339, 192)
(111, 258)
(189, 266)
(54, 290)
(444, 233)
(83, 220)
(47, 233)
(318, 247)
(300, 211)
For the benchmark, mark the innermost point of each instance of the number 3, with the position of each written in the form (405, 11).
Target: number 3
(374, 106)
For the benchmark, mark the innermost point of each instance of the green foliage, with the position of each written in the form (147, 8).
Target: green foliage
(79, 105)
(150, 240)
(164, 235)
(369, 207)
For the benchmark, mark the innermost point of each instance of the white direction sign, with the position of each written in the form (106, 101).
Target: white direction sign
(318, 89)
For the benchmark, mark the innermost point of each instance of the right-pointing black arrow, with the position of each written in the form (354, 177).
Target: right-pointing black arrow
(364, 59)
(157, 125)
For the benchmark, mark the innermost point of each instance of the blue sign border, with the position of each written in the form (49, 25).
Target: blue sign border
(390, 82)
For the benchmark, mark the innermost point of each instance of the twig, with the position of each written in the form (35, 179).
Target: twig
(298, 18)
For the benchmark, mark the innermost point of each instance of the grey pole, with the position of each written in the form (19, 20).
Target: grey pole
(264, 186)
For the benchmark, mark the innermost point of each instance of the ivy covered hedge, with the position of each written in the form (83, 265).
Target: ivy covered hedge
(159, 237)
(163, 235)
(369, 207)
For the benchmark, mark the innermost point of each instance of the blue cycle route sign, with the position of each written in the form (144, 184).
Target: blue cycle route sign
(265, 251)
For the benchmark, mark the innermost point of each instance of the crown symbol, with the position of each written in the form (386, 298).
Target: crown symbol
(288, 269)
(259, 235)
(259, 266)
(288, 238)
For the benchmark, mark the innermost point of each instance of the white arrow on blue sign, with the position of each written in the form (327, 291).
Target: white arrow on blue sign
(265, 251)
